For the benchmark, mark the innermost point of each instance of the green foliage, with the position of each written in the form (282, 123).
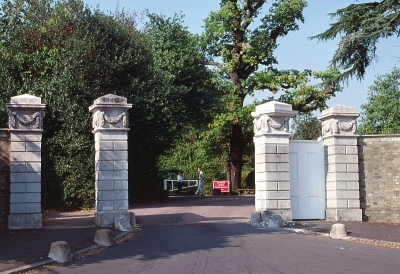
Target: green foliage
(180, 98)
(239, 40)
(191, 151)
(381, 115)
(306, 127)
(68, 56)
(361, 26)
(208, 149)
(177, 62)
(247, 53)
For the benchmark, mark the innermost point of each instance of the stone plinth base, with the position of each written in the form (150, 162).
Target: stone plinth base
(24, 221)
(107, 218)
(343, 214)
(286, 214)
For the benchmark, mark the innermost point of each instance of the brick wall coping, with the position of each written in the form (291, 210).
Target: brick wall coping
(382, 136)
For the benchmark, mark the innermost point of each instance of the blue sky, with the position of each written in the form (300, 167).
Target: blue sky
(296, 51)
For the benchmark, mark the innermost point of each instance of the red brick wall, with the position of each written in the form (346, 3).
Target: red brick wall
(4, 177)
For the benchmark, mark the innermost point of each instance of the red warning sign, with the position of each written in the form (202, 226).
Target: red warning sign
(222, 185)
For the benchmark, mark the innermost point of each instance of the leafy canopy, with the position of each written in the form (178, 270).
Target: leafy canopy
(381, 115)
(240, 39)
(179, 101)
(360, 27)
(239, 42)
(68, 56)
(306, 127)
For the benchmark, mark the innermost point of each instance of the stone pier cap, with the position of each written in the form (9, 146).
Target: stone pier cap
(25, 112)
(26, 100)
(272, 118)
(339, 111)
(339, 120)
(110, 112)
(110, 101)
(274, 108)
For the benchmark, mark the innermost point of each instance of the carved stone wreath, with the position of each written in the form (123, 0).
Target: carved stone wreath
(339, 126)
(100, 117)
(34, 119)
(265, 124)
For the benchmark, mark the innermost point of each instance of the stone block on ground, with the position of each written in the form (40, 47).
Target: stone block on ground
(123, 223)
(265, 215)
(275, 221)
(60, 252)
(103, 237)
(255, 217)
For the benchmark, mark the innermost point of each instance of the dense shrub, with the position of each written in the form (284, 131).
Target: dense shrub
(69, 56)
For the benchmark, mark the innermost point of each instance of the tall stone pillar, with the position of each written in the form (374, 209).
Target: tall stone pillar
(339, 132)
(271, 140)
(110, 128)
(25, 113)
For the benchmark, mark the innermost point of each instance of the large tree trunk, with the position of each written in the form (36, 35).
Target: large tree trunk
(228, 171)
(236, 156)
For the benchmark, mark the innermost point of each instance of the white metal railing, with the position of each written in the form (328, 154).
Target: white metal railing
(172, 185)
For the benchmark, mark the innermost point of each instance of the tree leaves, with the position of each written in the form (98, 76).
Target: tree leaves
(69, 56)
(381, 115)
(306, 127)
(239, 41)
(361, 26)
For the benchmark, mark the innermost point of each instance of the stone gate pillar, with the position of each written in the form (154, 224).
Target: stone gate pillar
(25, 118)
(271, 140)
(110, 128)
(339, 132)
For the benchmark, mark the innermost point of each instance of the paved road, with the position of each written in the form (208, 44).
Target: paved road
(211, 235)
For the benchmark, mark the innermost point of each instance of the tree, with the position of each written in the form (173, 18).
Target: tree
(68, 55)
(306, 127)
(179, 102)
(361, 26)
(177, 59)
(191, 151)
(381, 115)
(240, 50)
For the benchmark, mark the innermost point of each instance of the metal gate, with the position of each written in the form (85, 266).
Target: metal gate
(307, 180)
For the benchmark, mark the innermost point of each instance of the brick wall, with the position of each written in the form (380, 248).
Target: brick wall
(379, 164)
(4, 177)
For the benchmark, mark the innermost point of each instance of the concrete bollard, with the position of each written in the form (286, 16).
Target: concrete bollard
(338, 231)
(103, 237)
(60, 252)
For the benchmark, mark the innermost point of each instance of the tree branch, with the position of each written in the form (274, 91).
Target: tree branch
(251, 11)
(215, 64)
(302, 106)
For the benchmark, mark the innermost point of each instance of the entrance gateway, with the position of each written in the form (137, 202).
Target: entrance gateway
(307, 179)
(279, 183)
